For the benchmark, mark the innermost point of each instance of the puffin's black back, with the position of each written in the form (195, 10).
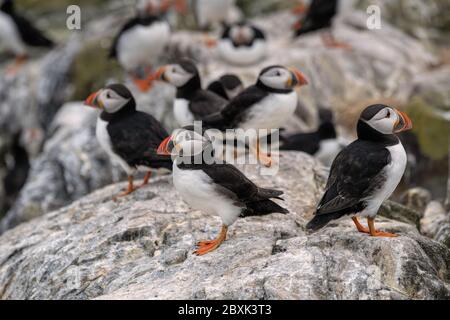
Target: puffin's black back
(29, 34)
(319, 16)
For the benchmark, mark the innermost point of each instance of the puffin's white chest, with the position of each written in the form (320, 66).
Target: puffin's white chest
(181, 112)
(272, 112)
(105, 142)
(393, 173)
(9, 35)
(198, 190)
(242, 55)
(142, 45)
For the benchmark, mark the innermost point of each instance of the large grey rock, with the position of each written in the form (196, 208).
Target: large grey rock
(141, 248)
(436, 223)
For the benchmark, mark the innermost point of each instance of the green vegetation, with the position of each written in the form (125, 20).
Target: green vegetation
(91, 69)
(432, 131)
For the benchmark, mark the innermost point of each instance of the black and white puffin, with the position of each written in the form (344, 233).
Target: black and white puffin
(268, 104)
(141, 42)
(191, 101)
(242, 43)
(130, 137)
(319, 16)
(366, 172)
(215, 188)
(322, 143)
(227, 86)
(211, 12)
(17, 32)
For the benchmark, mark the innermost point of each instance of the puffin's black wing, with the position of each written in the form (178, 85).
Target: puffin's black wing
(30, 34)
(144, 21)
(205, 103)
(234, 184)
(217, 88)
(355, 174)
(136, 137)
(319, 15)
(238, 107)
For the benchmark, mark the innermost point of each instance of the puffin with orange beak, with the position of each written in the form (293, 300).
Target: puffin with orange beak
(365, 173)
(212, 187)
(130, 137)
(268, 104)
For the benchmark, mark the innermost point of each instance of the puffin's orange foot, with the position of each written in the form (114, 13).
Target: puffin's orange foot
(210, 42)
(146, 179)
(359, 226)
(210, 245)
(378, 233)
(129, 190)
(204, 243)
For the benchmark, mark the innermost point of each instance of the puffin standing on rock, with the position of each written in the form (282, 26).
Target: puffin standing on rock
(227, 86)
(191, 102)
(214, 188)
(16, 32)
(242, 44)
(141, 42)
(366, 172)
(266, 105)
(130, 137)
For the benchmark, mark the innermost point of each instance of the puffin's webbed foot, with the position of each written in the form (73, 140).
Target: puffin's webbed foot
(210, 245)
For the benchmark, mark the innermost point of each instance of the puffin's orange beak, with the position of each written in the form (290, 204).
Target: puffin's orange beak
(404, 123)
(91, 101)
(298, 79)
(163, 149)
(160, 74)
(299, 9)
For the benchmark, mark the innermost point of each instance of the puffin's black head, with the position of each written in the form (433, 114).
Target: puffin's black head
(383, 119)
(180, 74)
(112, 98)
(281, 78)
(7, 6)
(242, 33)
(230, 81)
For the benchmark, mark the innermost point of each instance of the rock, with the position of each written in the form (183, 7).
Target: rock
(436, 223)
(416, 199)
(140, 248)
(401, 213)
(71, 165)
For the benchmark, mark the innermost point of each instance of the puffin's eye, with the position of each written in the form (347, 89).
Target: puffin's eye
(388, 115)
(108, 96)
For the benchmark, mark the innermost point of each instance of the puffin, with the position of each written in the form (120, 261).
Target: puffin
(227, 86)
(191, 102)
(322, 143)
(366, 172)
(141, 42)
(319, 16)
(210, 12)
(214, 187)
(267, 104)
(17, 32)
(128, 136)
(242, 44)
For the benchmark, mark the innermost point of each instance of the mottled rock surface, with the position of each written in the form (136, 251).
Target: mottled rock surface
(140, 247)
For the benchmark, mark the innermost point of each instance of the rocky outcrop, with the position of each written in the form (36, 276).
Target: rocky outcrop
(140, 247)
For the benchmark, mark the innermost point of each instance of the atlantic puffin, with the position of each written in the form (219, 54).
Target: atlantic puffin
(322, 143)
(16, 33)
(211, 12)
(214, 187)
(130, 137)
(141, 42)
(227, 86)
(191, 102)
(242, 44)
(319, 16)
(268, 104)
(365, 173)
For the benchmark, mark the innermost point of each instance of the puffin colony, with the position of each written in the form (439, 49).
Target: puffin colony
(363, 174)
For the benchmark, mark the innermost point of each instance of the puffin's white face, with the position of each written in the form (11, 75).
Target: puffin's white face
(282, 78)
(148, 7)
(241, 34)
(184, 143)
(174, 74)
(384, 121)
(107, 99)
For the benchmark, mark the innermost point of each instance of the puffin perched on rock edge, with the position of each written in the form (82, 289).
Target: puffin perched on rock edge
(130, 137)
(16, 32)
(191, 102)
(366, 172)
(215, 188)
